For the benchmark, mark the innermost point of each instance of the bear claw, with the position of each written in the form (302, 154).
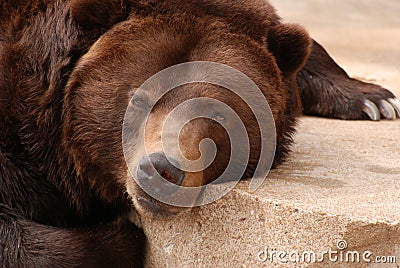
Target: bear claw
(396, 105)
(389, 109)
(371, 110)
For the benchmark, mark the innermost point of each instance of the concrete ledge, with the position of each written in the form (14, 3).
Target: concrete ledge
(341, 183)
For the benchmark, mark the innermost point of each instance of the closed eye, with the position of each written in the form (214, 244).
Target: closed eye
(140, 104)
(219, 117)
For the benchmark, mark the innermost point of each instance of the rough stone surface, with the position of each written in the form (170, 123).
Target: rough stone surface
(342, 181)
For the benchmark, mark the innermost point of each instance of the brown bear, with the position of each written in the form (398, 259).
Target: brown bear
(68, 70)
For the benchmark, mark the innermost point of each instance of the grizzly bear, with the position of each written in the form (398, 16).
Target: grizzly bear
(68, 71)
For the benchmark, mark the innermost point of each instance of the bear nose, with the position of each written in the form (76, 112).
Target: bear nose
(159, 162)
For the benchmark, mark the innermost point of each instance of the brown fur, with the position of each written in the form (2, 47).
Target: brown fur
(67, 72)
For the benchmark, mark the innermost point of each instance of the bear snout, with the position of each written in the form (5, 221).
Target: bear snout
(158, 164)
(161, 175)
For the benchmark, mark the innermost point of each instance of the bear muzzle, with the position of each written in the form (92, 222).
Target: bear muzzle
(157, 164)
(162, 176)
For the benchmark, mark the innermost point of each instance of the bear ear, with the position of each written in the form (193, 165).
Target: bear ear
(291, 46)
(96, 16)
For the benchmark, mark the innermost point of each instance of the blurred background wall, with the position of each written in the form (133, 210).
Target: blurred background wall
(362, 35)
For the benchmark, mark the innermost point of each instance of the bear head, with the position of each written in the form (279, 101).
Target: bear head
(135, 42)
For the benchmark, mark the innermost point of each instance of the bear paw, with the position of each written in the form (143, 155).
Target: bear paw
(342, 97)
